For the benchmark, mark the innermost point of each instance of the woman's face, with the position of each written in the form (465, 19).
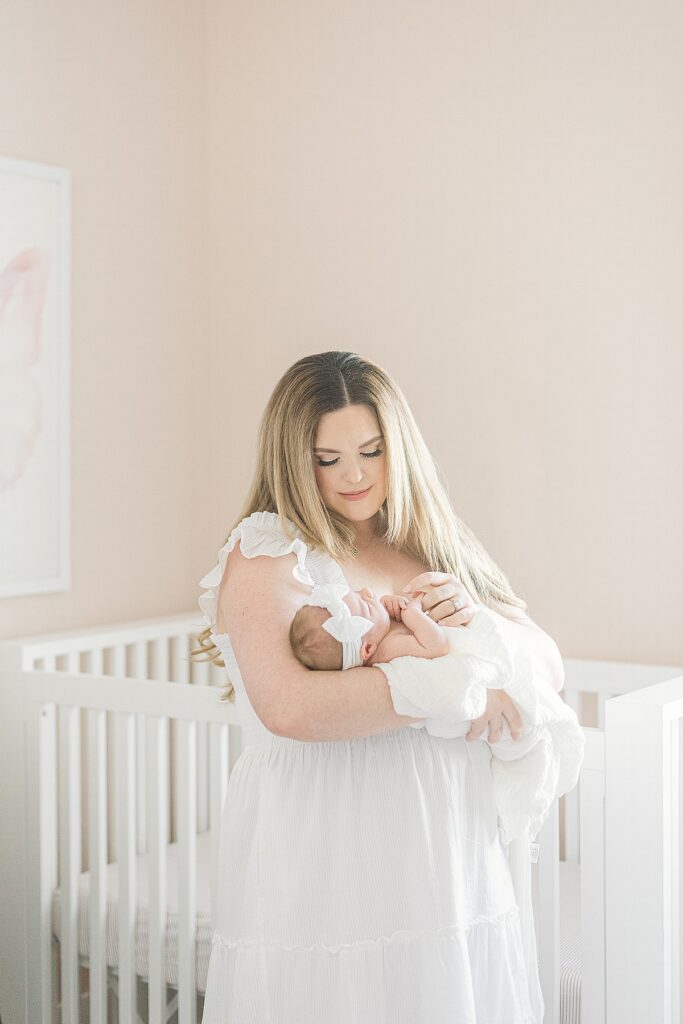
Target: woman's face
(355, 461)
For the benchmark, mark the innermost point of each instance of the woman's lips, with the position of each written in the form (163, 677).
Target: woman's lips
(356, 497)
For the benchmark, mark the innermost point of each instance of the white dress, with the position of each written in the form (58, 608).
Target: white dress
(363, 881)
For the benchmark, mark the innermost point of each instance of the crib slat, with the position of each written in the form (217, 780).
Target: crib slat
(219, 754)
(127, 907)
(70, 853)
(182, 671)
(201, 677)
(179, 673)
(49, 850)
(118, 657)
(201, 674)
(41, 817)
(118, 670)
(600, 699)
(570, 800)
(548, 924)
(139, 671)
(160, 660)
(157, 799)
(592, 823)
(97, 857)
(186, 782)
(73, 662)
(96, 661)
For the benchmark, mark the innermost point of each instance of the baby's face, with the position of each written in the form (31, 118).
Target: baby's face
(363, 602)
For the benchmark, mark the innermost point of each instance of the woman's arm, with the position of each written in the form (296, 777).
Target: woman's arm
(545, 651)
(258, 598)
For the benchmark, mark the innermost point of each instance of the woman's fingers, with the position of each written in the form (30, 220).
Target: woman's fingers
(444, 597)
(499, 706)
(477, 727)
(495, 728)
(442, 612)
(427, 579)
(514, 719)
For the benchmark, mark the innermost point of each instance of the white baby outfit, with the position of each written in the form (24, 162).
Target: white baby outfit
(363, 881)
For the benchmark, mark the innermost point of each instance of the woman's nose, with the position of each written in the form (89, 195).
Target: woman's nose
(354, 474)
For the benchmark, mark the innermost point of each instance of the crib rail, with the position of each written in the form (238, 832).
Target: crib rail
(50, 699)
(642, 854)
(145, 649)
(172, 764)
(124, 709)
(626, 811)
(595, 682)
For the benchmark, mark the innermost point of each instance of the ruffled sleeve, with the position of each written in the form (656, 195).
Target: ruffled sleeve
(261, 533)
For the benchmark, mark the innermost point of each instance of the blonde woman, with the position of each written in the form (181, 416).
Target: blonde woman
(363, 877)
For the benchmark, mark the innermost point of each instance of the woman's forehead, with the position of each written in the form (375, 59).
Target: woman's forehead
(347, 429)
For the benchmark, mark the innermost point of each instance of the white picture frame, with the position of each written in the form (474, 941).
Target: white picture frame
(35, 326)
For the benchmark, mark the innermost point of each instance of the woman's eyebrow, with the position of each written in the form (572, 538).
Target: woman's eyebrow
(335, 452)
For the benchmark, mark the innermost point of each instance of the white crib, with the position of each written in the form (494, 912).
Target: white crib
(125, 752)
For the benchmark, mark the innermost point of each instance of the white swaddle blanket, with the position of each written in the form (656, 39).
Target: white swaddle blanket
(529, 773)
(450, 691)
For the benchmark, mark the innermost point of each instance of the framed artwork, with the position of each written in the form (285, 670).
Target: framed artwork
(35, 322)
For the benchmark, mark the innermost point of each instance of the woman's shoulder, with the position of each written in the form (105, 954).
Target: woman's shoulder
(260, 533)
(512, 612)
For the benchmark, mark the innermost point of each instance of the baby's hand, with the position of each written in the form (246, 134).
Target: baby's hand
(394, 604)
(412, 604)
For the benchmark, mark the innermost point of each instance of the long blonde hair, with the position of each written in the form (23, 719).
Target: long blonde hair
(416, 517)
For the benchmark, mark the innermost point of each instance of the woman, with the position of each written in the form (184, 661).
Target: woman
(363, 875)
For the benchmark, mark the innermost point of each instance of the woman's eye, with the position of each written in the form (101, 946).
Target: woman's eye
(366, 455)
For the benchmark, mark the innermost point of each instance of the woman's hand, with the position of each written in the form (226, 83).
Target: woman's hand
(499, 705)
(446, 600)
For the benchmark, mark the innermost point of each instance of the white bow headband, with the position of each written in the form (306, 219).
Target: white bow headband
(343, 626)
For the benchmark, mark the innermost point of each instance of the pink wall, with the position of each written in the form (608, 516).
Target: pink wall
(483, 199)
(116, 92)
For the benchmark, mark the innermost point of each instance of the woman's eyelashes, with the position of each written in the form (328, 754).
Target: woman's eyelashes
(366, 455)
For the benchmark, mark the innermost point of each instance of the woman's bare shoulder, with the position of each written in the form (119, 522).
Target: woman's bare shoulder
(257, 600)
(515, 614)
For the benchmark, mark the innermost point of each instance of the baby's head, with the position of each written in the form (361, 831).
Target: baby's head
(339, 628)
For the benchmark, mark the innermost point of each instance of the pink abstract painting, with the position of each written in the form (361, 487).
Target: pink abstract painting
(22, 299)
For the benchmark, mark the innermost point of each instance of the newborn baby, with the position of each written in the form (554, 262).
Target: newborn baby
(321, 629)
(441, 674)
(338, 628)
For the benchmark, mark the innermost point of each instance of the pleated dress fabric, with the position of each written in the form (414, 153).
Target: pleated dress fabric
(363, 881)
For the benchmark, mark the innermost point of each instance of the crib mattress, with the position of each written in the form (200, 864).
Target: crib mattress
(204, 926)
(570, 924)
